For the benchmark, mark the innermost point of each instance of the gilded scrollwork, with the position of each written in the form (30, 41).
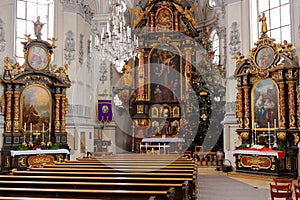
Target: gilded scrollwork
(281, 135)
(296, 138)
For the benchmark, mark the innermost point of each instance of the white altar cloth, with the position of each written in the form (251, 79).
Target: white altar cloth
(14, 153)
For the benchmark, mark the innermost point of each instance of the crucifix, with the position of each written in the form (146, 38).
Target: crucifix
(36, 134)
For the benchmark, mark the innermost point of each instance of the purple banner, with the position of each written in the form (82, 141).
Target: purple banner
(104, 110)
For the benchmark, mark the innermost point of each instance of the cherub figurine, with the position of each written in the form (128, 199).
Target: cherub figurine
(239, 57)
(7, 64)
(288, 49)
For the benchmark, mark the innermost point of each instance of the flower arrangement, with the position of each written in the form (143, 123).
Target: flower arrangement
(39, 144)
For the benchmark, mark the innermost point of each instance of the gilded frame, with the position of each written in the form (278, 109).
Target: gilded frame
(265, 104)
(38, 57)
(154, 112)
(264, 57)
(38, 99)
(176, 112)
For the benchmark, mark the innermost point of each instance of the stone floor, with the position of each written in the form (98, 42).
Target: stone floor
(217, 185)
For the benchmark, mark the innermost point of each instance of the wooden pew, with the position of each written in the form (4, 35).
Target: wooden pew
(181, 185)
(181, 190)
(113, 174)
(88, 193)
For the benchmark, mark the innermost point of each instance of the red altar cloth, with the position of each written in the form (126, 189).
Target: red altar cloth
(260, 151)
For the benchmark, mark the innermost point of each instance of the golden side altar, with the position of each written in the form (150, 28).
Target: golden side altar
(34, 105)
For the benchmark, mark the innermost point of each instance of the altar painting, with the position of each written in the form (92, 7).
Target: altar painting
(165, 74)
(265, 104)
(36, 108)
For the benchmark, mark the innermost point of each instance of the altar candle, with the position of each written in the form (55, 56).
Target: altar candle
(255, 133)
(269, 134)
(43, 129)
(274, 124)
(25, 126)
(30, 127)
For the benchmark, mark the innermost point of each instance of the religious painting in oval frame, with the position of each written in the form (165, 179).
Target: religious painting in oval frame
(264, 57)
(36, 104)
(37, 57)
(265, 103)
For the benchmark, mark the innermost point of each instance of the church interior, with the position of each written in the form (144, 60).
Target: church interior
(133, 99)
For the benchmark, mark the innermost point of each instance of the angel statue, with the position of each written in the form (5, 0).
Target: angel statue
(140, 14)
(187, 13)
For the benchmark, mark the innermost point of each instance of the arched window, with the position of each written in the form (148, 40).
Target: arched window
(216, 46)
(278, 18)
(26, 13)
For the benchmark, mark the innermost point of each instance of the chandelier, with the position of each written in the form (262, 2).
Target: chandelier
(117, 43)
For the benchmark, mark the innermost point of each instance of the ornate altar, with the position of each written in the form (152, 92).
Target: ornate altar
(161, 100)
(34, 103)
(268, 102)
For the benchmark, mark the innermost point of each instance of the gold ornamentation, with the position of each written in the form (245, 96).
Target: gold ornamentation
(244, 135)
(140, 14)
(296, 138)
(21, 161)
(263, 20)
(187, 13)
(273, 167)
(239, 58)
(281, 135)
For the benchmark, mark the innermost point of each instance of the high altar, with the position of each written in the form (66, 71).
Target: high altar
(34, 106)
(162, 104)
(268, 108)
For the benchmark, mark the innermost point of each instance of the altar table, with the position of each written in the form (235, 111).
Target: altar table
(160, 143)
(23, 159)
(262, 161)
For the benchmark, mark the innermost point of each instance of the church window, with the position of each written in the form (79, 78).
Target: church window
(27, 12)
(278, 18)
(216, 46)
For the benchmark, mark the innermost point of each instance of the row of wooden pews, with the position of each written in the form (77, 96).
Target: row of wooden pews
(121, 177)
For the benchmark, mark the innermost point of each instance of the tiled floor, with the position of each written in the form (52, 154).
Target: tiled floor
(217, 185)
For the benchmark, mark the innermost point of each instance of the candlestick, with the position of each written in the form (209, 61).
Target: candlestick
(49, 132)
(275, 135)
(269, 135)
(43, 132)
(255, 133)
(252, 142)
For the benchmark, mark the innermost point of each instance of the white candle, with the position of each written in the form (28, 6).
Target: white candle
(274, 124)
(49, 127)
(43, 129)
(25, 126)
(269, 134)
(30, 127)
(255, 133)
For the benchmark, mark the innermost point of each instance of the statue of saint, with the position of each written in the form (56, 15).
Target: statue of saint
(38, 25)
(263, 20)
